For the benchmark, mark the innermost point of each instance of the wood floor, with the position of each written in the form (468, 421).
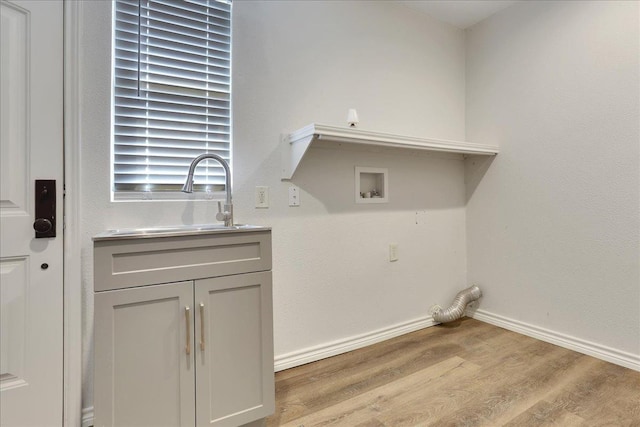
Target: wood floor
(468, 373)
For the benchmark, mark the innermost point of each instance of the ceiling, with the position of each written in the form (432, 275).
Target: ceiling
(461, 13)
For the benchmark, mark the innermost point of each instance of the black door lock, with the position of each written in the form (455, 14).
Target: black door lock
(45, 195)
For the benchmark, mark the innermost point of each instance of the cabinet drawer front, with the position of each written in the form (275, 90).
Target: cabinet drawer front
(126, 263)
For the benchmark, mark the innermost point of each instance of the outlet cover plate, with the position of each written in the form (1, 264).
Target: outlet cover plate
(262, 197)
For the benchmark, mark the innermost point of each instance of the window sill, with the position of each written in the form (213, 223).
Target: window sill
(165, 196)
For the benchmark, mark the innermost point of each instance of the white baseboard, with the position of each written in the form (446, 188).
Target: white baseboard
(628, 360)
(87, 416)
(312, 354)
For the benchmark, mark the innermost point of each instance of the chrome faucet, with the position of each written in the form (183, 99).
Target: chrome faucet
(227, 214)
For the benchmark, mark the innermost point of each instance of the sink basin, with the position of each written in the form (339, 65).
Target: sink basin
(177, 230)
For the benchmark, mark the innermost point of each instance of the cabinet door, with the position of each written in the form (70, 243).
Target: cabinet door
(144, 373)
(234, 354)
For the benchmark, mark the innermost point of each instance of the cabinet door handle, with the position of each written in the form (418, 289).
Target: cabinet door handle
(186, 318)
(201, 326)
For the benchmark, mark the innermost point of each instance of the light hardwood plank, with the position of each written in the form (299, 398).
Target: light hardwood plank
(467, 373)
(544, 414)
(404, 395)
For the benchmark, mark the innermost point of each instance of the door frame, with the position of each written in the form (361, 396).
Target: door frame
(72, 245)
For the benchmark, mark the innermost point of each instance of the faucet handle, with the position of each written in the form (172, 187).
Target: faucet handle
(220, 216)
(226, 215)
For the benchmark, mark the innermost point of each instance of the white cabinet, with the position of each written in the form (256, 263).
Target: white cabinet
(194, 352)
(143, 374)
(234, 349)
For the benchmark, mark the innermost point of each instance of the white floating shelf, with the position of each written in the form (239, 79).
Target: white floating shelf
(296, 144)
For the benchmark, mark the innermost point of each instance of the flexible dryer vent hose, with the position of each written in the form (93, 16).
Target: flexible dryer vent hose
(456, 310)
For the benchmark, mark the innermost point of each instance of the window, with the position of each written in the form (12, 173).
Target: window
(171, 93)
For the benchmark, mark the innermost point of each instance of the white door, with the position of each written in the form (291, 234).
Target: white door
(31, 297)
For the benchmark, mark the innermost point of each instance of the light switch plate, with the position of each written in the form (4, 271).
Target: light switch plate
(393, 252)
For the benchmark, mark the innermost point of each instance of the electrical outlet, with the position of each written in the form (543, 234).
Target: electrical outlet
(393, 252)
(262, 197)
(294, 196)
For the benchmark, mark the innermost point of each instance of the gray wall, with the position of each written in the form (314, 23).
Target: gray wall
(296, 63)
(553, 227)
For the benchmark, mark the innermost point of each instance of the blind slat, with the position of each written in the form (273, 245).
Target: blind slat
(172, 92)
(150, 151)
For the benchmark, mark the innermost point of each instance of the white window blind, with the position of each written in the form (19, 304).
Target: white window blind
(172, 97)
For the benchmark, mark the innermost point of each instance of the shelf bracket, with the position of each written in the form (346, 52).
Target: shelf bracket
(294, 146)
